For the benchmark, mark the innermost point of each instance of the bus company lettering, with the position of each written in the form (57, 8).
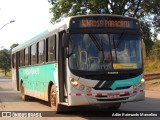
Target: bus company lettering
(105, 23)
(32, 71)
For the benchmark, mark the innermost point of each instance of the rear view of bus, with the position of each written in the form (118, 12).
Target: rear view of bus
(104, 61)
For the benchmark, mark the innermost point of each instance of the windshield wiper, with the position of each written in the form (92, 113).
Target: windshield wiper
(97, 44)
(114, 45)
(120, 39)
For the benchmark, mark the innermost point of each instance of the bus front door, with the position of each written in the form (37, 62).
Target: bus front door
(62, 72)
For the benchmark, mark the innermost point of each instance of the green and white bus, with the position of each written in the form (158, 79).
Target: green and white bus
(83, 60)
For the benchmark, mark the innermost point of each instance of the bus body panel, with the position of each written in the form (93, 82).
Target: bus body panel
(36, 79)
(82, 97)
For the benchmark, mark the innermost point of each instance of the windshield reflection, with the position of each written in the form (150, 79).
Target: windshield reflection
(96, 52)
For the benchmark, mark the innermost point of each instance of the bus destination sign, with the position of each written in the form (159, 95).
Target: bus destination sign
(104, 22)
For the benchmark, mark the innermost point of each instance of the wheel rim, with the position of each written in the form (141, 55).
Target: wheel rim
(53, 99)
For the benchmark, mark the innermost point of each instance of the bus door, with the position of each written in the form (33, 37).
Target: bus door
(17, 70)
(62, 72)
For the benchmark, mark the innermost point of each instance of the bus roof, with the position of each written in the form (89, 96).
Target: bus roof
(30, 41)
(42, 34)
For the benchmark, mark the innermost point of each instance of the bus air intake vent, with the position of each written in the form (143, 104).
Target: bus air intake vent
(110, 77)
(112, 99)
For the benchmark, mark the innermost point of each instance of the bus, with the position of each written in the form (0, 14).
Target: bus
(82, 60)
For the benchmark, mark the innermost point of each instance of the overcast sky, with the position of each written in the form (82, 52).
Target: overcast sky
(31, 17)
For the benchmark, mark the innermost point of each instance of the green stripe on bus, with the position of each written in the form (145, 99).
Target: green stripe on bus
(38, 77)
(125, 83)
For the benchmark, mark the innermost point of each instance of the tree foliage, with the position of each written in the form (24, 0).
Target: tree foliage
(133, 8)
(146, 37)
(5, 59)
(148, 11)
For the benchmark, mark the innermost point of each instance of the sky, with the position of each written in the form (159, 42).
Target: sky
(31, 18)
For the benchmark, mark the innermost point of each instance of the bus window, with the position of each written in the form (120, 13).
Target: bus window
(33, 54)
(51, 43)
(41, 52)
(26, 56)
(22, 58)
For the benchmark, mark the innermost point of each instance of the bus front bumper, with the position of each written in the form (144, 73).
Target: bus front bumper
(122, 96)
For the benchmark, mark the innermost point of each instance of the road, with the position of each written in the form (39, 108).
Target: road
(11, 101)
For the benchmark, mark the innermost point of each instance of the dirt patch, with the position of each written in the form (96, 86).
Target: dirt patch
(153, 85)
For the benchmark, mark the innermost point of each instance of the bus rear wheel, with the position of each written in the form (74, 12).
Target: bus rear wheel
(23, 95)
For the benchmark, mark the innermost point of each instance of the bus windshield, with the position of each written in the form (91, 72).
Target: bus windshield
(99, 52)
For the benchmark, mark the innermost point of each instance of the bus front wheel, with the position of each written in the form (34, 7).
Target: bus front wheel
(23, 95)
(53, 98)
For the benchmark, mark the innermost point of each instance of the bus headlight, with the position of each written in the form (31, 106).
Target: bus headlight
(143, 80)
(139, 84)
(135, 87)
(73, 82)
(88, 89)
(81, 87)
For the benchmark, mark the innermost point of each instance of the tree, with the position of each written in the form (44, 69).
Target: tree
(133, 8)
(5, 61)
(146, 37)
(146, 10)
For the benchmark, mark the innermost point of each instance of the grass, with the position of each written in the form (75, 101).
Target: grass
(9, 73)
(153, 85)
(151, 66)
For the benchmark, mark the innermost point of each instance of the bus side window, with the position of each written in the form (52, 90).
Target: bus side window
(51, 48)
(29, 59)
(22, 57)
(33, 54)
(26, 56)
(41, 54)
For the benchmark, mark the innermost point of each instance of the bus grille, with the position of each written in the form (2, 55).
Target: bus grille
(112, 99)
(111, 77)
(107, 88)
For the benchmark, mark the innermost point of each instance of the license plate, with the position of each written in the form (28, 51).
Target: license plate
(113, 96)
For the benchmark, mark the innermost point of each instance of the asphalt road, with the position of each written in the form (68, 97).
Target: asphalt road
(11, 101)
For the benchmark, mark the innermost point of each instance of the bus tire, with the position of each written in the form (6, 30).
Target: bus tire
(23, 95)
(53, 98)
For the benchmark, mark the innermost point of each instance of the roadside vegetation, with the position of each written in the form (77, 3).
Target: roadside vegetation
(152, 58)
(5, 61)
(153, 85)
(8, 74)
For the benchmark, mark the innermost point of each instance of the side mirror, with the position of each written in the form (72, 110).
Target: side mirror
(65, 40)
